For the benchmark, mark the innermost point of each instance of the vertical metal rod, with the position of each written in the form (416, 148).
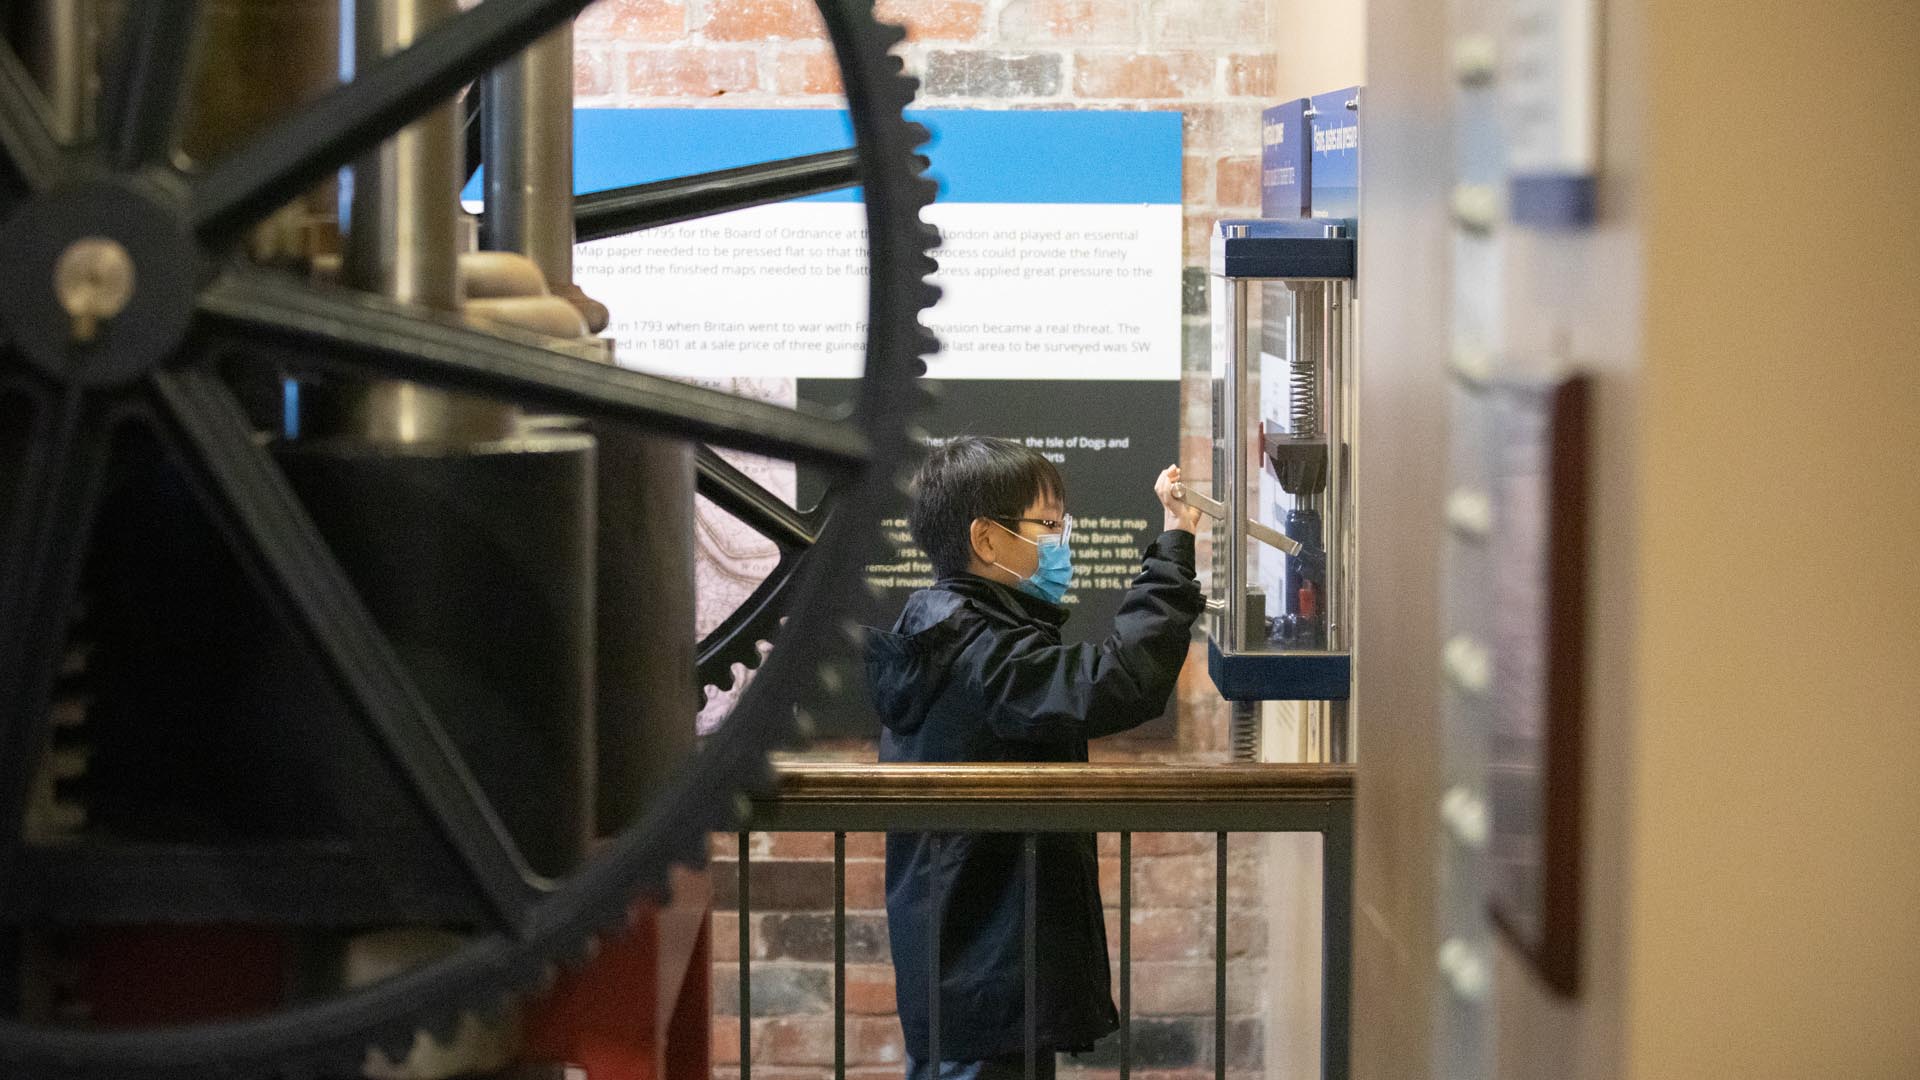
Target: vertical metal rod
(840, 956)
(57, 49)
(1126, 955)
(1332, 345)
(933, 954)
(1336, 942)
(1030, 946)
(404, 239)
(403, 244)
(528, 136)
(1220, 956)
(1231, 489)
(746, 964)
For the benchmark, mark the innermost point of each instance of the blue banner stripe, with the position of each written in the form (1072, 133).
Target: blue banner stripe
(979, 156)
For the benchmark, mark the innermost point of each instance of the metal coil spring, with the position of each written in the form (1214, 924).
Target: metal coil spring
(1304, 397)
(1245, 734)
(1309, 321)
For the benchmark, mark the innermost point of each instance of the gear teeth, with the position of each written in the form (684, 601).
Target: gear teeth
(443, 1030)
(677, 829)
(395, 1046)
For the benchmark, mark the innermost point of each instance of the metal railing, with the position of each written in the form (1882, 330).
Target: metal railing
(1029, 799)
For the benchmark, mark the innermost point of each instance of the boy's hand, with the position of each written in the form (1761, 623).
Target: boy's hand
(1179, 514)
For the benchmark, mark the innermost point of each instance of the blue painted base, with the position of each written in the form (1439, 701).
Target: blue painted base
(1281, 676)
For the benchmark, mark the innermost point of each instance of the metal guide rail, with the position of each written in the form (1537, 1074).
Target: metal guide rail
(1031, 799)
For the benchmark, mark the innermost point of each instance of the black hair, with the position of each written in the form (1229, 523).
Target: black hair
(974, 477)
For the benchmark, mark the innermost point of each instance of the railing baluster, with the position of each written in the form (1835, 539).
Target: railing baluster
(1220, 956)
(1030, 948)
(1126, 955)
(746, 964)
(840, 956)
(985, 798)
(933, 956)
(1336, 915)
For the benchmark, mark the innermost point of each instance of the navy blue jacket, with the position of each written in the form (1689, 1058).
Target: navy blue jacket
(975, 671)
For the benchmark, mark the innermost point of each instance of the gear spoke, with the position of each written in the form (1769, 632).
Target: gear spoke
(26, 126)
(383, 98)
(256, 310)
(737, 639)
(255, 505)
(756, 507)
(57, 471)
(604, 214)
(147, 84)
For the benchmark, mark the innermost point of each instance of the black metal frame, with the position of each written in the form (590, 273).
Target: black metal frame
(158, 366)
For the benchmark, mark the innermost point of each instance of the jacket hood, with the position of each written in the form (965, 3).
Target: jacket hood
(907, 667)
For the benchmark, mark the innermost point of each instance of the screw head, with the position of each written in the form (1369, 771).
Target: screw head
(93, 280)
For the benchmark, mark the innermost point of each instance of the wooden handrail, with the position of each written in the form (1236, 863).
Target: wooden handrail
(1101, 782)
(805, 782)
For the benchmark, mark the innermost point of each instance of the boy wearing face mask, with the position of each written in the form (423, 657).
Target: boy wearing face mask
(975, 670)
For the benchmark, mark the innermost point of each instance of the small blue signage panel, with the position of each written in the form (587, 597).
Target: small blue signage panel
(1336, 154)
(1284, 163)
(1310, 157)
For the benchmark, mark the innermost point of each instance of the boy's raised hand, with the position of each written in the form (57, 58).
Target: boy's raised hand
(1179, 514)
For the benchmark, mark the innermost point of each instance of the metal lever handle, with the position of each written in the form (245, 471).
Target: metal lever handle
(1213, 508)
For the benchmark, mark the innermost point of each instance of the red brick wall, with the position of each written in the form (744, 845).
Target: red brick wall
(791, 934)
(1209, 59)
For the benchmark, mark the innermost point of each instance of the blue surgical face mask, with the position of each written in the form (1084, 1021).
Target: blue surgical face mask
(1051, 577)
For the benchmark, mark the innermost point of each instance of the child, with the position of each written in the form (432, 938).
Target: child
(974, 670)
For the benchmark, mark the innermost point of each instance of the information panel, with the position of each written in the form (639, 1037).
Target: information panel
(1060, 315)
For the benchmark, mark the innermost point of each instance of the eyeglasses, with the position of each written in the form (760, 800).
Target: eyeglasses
(1063, 526)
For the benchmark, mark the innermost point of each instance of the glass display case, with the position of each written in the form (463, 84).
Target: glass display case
(1281, 507)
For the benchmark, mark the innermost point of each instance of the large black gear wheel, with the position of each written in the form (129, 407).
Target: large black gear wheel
(195, 309)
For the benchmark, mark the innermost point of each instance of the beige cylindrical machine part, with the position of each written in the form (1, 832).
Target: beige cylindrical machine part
(404, 244)
(529, 156)
(57, 47)
(528, 143)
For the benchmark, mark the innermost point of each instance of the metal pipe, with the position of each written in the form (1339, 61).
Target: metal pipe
(935, 902)
(1220, 956)
(1126, 956)
(1238, 295)
(403, 244)
(1030, 960)
(839, 956)
(528, 149)
(745, 919)
(58, 43)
